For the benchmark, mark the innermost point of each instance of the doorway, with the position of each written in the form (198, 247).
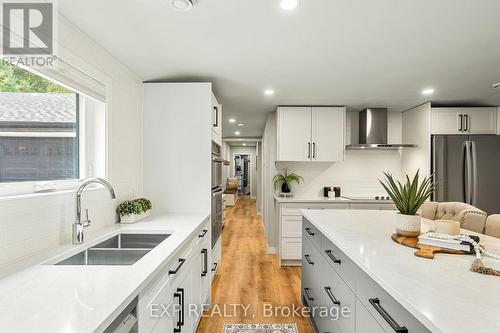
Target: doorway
(242, 170)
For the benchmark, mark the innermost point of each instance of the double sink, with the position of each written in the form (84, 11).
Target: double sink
(120, 250)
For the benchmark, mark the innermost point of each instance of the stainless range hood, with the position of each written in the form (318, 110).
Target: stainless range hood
(373, 131)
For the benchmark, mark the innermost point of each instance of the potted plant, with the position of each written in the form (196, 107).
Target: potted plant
(408, 198)
(131, 211)
(285, 180)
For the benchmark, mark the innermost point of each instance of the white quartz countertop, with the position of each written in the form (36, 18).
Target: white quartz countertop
(441, 293)
(319, 199)
(49, 298)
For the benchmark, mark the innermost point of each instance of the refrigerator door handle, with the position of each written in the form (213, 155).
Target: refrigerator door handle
(468, 173)
(473, 172)
(465, 189)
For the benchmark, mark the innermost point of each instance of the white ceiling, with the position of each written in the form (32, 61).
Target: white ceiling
(344, 52)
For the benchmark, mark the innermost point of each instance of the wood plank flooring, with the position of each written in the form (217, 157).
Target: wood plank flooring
(248, 275)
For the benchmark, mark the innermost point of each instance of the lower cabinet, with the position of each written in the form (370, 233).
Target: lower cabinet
(174, 301)
(290, 225)
(344, 299)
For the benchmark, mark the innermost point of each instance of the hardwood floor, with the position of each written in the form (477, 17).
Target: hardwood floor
(248, 275)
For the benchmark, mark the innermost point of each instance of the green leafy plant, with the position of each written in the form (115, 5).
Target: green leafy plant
(408, 197)
(282, 178)
(137, 206)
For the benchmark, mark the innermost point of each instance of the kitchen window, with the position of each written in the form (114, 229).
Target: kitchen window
(51, 134)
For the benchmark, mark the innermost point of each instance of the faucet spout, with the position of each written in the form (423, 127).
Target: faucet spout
(78, 226)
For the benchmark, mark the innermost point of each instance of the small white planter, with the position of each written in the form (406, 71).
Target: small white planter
(408, 225)
(129, 219)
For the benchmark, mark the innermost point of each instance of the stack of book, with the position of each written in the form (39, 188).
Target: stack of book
(450, 244)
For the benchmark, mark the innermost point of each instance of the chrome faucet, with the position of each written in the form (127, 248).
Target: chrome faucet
(79, 225)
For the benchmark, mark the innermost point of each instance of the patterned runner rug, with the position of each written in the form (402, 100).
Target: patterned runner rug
(260, 328)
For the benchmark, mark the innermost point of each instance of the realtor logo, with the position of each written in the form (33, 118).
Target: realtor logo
(28, 31)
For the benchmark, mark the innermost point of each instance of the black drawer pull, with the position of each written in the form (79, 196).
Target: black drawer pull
(308, 259)
(174, 271)
(308, 296)
(331, 296)
(179, 326)
(309, 231)
(375, 302)
(204, 252)
(215, 267)
(203, 234)
(331, 256)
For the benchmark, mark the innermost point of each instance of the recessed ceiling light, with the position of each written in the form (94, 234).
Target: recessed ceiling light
(428, 91)
(237, 133)
(289, 4)
(232, 120)
(244, 144)
(181, 5)
(496, 85)
(269, 92)
(241, 125)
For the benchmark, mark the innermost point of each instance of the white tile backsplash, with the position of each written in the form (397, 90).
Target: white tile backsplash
(35, 223)
(357, 175)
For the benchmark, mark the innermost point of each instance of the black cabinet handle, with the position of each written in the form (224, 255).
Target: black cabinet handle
(174, 271)
(308, 150)
(204, 252)
(309, 231)
(375, 302)
(314, 149)
(183, 305)
(331, 296)
(308, 296)
(466, 118)
(461, 128)
(215, 267)
(216, 124)
(332, 257)
(203, 233)
(178, 328)
(308, 259)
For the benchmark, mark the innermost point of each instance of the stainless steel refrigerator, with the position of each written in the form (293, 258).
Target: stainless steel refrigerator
(467, 168)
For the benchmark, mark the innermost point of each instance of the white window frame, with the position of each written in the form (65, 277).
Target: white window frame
(9, 190)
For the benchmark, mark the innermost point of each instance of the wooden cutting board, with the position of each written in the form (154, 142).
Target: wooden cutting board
(424, 251)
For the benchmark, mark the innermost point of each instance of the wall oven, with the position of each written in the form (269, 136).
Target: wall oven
(217, 191)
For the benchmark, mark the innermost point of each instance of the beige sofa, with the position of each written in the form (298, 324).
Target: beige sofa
(470, 217)
(493, 226)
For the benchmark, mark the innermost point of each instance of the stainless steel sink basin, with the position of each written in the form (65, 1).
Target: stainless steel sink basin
(132, 241)
(122, 249)
(110, 257)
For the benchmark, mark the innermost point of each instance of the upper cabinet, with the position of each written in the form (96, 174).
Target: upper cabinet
(480, 120)
(216, 121)
(311, 134)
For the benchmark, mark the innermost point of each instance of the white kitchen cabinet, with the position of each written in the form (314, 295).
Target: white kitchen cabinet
(470, 120)
(179, 285)
(294, 134)
(447, 121)
(311, 134)
(328, 125)
(480, 120)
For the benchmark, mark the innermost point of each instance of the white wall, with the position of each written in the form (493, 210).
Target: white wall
(30, 224)
(269, 151)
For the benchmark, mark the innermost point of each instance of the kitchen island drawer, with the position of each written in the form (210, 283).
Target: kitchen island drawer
(311, 262)
(390, 315)
(312, 233)
(344, 266)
